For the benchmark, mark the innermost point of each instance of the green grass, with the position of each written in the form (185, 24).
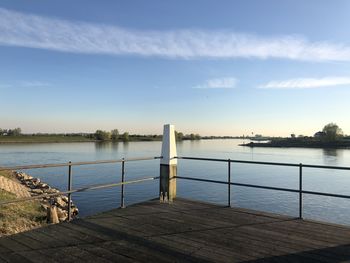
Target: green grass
(62, 138)
(43, 139)
(7, 174)
(19, 217)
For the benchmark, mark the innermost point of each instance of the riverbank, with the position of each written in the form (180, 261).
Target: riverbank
(69, 139)
(310, 143)
(19, 217)
(23, 216)
(43, 139)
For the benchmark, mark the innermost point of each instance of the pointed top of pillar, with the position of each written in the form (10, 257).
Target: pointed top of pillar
(169, 145)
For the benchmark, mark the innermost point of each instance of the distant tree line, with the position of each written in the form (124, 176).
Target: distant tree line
(331, 133)
(180, 136)
(112, 135)
(102, 135)
(10, 132)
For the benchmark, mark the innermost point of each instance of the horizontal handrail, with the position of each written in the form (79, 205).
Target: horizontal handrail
(82, 189)
(238, 184)
(264, 187)
(38, 166)
(264, 163)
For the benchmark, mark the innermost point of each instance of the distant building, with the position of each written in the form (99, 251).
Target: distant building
(319, 134)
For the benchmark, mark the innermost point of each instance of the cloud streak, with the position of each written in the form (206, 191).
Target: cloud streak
(219, 83)
(306, 83)
(33, 31)
(26, 84)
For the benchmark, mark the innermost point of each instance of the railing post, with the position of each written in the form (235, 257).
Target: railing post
(300, 191)
(168, 165)
(122, 201)
(229, 182)
(69, 189)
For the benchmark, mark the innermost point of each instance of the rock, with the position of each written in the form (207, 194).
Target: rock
(37, 191)
(62, 214)
(75, 211)
(36, 182)
(22, 176)
(60, 202)
(26, 177)
(45, 206)
(43, 186)
(52, 191)
(56, 206)
(52, 217)
(29, 183)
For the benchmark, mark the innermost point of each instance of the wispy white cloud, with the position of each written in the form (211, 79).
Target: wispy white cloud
(219, 83)
(34, 84)
(306, 83)
(33, 31)
(25, 84)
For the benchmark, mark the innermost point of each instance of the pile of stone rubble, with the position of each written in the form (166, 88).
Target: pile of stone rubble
(59, 203)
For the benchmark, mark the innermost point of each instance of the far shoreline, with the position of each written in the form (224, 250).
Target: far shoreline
(27, 139)
(35, 142)
(315, 145)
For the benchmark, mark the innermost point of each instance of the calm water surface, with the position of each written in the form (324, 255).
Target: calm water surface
(315, 207)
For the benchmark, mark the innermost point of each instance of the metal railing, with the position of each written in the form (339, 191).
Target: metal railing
(229, 182)
(70, 189)
(300, 191)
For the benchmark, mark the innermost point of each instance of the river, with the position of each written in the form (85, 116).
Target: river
(315, 207)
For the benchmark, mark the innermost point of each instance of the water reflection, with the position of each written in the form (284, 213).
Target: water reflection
(102, 146)
(115, 146)
(251, 153)
(332, 156)
(126, 146)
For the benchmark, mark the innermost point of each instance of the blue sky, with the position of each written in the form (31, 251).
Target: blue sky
(210, 67)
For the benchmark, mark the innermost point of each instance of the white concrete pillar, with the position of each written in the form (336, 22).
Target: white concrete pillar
(168, 165)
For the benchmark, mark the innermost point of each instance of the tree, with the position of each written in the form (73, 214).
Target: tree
(17, 132)
(125, 137)
(14, 132)
(197, 136)
(102, 135)
(179, 136)
(332, 131)
(115, 135)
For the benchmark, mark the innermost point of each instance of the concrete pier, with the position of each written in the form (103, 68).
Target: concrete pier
(168, 165)
(186, 231)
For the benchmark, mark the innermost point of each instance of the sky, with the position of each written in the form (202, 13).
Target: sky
(209, 67)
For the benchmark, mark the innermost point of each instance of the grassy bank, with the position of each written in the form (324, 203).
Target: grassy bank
(19, 217)
(62, 139)
(43, 139)
(302, 143)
